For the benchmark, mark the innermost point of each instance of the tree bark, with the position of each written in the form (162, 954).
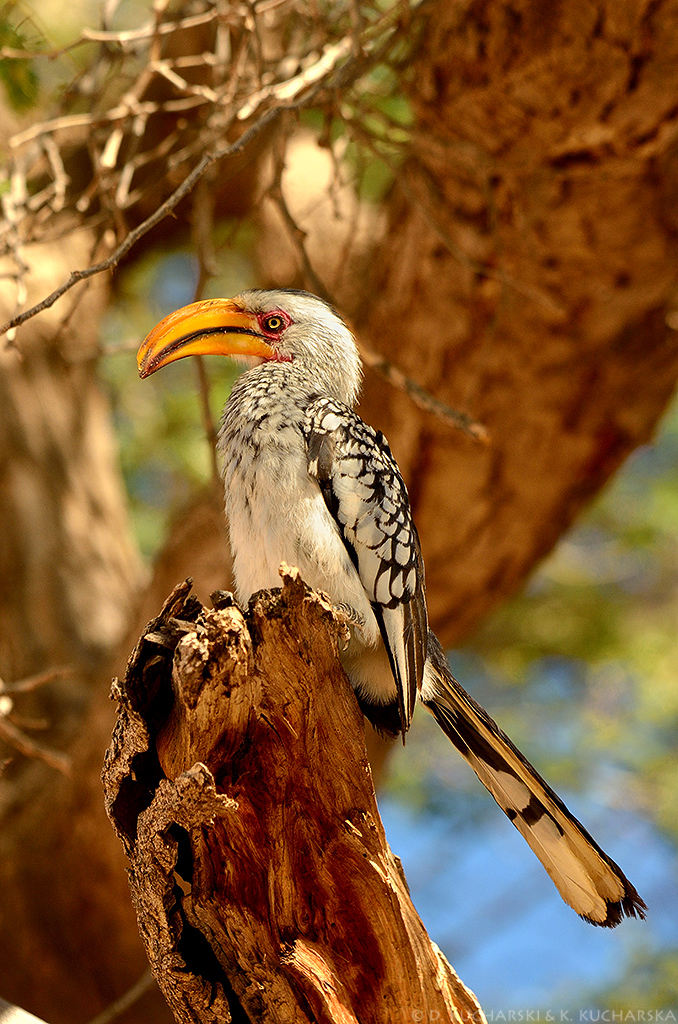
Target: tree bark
(525, 277)
(238, 782)
(524, 274)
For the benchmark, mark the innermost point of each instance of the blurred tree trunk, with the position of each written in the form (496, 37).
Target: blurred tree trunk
(69, 563)
(68, 935)
(524, 276)
(71, 580)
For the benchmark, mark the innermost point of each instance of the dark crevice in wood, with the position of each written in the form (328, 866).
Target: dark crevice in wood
(259, 869)
(136, 793)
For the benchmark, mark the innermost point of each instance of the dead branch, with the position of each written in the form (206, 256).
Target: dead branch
(162, 211)
(130, 115)
(238, 783)
(18, 739)
(33, 682)
(116, 1009)
(12, 725)
(334, 66)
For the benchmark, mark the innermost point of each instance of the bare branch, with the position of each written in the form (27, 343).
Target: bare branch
(29, 748)
(59, 172)
(116, 1009)
(203, 233)
(147, 31)
(133, 237)
(337, 64)
(329, 60)
(424, 399)
(33, 682)
(376, 362)
(11, 725)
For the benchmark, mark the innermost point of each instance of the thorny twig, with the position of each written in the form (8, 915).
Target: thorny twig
(133, 237)
(266, 105)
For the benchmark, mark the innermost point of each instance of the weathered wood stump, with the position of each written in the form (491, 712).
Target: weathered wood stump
(238, 783)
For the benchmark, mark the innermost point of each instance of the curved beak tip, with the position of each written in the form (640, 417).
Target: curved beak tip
(210, 327)
(144, 358)
(142, 364)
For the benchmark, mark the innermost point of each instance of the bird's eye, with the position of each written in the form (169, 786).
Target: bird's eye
(273, 323)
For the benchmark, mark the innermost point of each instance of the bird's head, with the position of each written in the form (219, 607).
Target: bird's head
(260, 326)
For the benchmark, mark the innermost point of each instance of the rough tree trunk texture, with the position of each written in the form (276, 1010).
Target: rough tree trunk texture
(238, 783)
(546, 155)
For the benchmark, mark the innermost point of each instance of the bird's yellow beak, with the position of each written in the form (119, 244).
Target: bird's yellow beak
(211, 327)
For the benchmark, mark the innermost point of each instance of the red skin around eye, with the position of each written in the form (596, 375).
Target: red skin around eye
(263, 317)
(274, 336)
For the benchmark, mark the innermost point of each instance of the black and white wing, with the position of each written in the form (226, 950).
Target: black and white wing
(367, 497)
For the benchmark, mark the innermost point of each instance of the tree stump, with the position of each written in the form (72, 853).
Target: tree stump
(238, 784)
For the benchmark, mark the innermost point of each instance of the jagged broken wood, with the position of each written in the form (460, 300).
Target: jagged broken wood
(238, 783)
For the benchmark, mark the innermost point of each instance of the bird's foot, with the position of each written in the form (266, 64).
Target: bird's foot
(349, 618)
(349, 615)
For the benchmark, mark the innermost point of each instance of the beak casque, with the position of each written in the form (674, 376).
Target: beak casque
(211, 327)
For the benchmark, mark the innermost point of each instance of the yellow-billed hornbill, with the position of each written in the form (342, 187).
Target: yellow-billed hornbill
(309, 483)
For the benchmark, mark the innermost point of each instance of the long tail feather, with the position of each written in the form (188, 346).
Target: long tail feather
(587, 879)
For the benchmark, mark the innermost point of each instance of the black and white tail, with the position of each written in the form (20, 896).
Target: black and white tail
(587, 879)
